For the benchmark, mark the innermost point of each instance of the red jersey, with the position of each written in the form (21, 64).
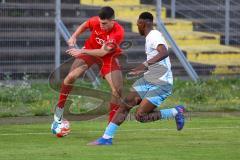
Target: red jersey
(98, 37)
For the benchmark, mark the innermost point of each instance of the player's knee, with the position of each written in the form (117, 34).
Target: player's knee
(84, 67)
(137, 100)
(124, 107)
(117, 92)
(128, 103)
(71, 77)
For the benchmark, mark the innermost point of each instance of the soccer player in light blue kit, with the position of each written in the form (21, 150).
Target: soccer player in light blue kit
(152, 89)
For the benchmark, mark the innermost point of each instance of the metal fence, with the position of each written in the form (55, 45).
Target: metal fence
(27, 32)
(216, 24)
(219, 16)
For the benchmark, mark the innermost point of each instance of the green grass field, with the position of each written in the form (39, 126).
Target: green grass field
(214, 138)
(38, 99)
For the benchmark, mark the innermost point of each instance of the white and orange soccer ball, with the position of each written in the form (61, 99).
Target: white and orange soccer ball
(61, 129)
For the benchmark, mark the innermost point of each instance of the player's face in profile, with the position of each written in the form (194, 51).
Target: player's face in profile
(106, 24)
(140, 24)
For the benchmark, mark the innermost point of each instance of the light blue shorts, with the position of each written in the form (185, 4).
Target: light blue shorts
(156, 94)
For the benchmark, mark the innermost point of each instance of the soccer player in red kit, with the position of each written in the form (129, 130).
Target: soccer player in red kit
(101, 48)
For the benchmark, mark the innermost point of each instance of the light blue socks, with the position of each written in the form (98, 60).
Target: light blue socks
(112, 127)
(168, 113)
(110, 130)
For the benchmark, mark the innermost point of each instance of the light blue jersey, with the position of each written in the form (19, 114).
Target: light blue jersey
(156, 85)
(159, 72)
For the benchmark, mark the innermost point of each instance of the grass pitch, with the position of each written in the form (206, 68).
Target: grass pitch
(214, 138)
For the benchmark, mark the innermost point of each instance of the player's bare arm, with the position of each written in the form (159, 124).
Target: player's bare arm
(162, 53)
(73, 39)
(93, 52)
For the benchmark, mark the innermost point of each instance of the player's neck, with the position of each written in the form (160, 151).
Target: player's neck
(109, 30)
(147, 31)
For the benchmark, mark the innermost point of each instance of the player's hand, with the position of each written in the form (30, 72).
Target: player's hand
(74, 52)
(138, 70)
(135, 72)
(72, 41)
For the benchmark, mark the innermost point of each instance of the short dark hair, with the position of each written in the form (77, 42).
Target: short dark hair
(146, 16)
(106, 13)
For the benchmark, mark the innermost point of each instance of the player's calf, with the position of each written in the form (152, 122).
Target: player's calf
(177, 113)
(147, 117)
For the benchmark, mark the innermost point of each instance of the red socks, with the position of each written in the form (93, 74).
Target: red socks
(65, 90)
(113, 109)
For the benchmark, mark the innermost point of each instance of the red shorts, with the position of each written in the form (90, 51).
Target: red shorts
(105, 67)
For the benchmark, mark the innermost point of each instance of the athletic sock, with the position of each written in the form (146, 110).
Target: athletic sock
(168, 113)
(58, 115)
(65, 90)
(110, 130)
(113, 109)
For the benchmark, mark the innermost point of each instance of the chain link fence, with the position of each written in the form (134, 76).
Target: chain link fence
(27, 38)
(216, 25)
(218, 16)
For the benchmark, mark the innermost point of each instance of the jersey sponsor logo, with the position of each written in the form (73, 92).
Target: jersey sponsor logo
(102, 41)
(99, 40)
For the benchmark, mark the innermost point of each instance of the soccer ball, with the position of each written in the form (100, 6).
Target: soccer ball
(61, 129)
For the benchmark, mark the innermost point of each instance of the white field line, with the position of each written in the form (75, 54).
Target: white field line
(125, 130)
